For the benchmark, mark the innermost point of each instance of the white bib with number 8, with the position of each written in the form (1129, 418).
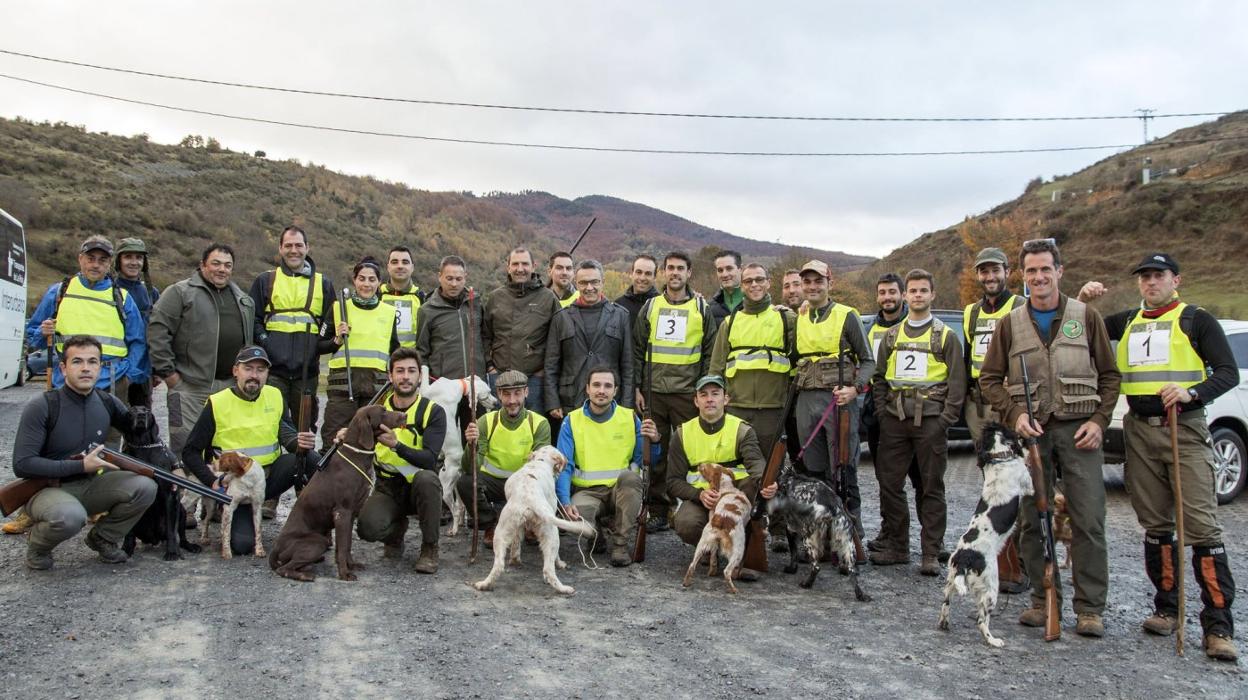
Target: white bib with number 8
(1148, 347)
(673, 324)
(911, 364)
(404, 315)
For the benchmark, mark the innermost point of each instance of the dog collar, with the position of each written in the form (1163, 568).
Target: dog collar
(371, 481)
(1002, 456)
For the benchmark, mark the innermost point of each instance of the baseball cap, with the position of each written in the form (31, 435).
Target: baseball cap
(511, 379)
(131, 245)
(991, 255)
(817, 266)
(252, 352)
(711, 379)
(1157, 261)
(96, 243)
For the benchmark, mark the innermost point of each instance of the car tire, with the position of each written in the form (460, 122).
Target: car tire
(1229, 473)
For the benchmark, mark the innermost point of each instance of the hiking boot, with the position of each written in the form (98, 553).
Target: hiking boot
(1161, 623)
(109, 552)
(1089, 625)
(428, 561)
(876, 545)
(268, 511)
(1015, 587)
(621, 557)
(656, 523)
(930, 565)
(38, 559)
(1033, 616)
(888, 558)
(748, 575)
(392, 550)
(488, 538)
(18, 525)
(1220, 647)
(600, 544)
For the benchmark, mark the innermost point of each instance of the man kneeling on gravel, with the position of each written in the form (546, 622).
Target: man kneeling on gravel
(58, 425)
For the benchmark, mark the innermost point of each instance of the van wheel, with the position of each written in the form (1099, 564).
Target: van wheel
(1228, 464)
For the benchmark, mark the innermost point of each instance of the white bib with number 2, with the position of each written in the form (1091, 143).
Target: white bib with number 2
(911, 364)
(1148, 347)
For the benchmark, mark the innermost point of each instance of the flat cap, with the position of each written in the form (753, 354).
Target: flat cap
(511, 379)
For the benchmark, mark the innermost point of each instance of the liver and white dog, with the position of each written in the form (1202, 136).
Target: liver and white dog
(973, 565)
(447, 393)
(531, 506)
(725, 527)
(244, 483)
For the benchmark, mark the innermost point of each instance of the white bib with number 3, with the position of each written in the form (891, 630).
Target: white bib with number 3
(673, 324)
(1148, 347)
(911, 365)
(404, 315)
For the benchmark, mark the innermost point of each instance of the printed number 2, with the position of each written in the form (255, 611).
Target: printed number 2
(909, 366)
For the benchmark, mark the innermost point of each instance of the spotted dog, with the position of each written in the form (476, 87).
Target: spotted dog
(725, 527)
(973, 565)
(448, 393)
(811, 510)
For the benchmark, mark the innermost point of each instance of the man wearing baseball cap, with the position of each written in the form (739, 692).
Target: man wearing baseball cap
(1164, 348)
(504, 439)
(249, 417)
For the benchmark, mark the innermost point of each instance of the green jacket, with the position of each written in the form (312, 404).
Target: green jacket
(670, 379)
(183, 328)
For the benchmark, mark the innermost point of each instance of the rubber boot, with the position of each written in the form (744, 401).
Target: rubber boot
(1217, 589)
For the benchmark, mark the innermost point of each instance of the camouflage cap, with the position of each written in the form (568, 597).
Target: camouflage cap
(131, 245)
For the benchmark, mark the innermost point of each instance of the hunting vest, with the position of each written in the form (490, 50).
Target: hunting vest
(389, 461)
(1063, 378)
(84, 311)
(916, 369)
(249, 427)
(978, 325)
(676, 330)
(371, 330)
(603, 451)
(720, 448)
(757, 342)
(1154, 352)
(291, 309)
(406, 305)
(508, 448)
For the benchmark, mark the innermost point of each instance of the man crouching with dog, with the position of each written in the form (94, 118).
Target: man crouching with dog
(715, 437)
(249, 417)
(602, 443)
(58, 425)
(407, 469)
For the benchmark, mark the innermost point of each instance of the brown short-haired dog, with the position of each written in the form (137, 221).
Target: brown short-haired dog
(332, 500)
(725, 526)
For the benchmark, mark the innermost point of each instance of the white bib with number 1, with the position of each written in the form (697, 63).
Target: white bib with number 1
(1148, 347)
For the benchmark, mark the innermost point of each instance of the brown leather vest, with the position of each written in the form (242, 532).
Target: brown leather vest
(1063, 378)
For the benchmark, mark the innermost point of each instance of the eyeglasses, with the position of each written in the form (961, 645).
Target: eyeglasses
(754, 280)
(589, 283)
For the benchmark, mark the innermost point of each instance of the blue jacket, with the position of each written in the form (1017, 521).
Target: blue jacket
(131, 366)
(563, 485)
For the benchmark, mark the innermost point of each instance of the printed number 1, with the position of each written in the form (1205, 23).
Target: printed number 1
(1148, 339)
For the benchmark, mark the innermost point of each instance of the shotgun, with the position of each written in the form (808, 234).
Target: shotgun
(755, 534)
(843, 459)
(1052, 623)
(17, 493)
(639, 547)
(583, 234)
(346, 346)
(470, 449)
(333, 450)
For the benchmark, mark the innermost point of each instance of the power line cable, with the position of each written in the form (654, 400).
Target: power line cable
(609, 112)
(601, 149)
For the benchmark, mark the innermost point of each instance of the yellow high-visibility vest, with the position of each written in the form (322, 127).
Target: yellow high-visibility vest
(388, 461)
(676, 330)
(508, 448)
(249, 427)
(565, 303)
(604, 450)
(289, 309)
(984, 323)
(917, 362)
(819, 339)
(1154, 352)
(92, 312)
(720, 448)
(756, 341)
(406, 305)
(371, 331)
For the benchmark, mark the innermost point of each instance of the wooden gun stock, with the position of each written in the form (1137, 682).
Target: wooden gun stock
(755, 534)
(639, 545)
(18, 492)
(1052, 611)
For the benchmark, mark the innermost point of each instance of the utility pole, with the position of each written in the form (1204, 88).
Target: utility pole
(1145, 115)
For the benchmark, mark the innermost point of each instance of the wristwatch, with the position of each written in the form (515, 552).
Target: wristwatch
(1192, 393)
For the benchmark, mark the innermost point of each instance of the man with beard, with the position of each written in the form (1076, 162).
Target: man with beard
(443, 325)
(591, 332)
(402, 294)
(407, 469)
(560, 274)
(248, 417)
(641, 288)
(514, 324)
(672, 341)
(791, 289)
(730, 296)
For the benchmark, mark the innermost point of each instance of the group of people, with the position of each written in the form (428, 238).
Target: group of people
(703, 379)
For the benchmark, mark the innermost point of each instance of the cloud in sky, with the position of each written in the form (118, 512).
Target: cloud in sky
(915, 59)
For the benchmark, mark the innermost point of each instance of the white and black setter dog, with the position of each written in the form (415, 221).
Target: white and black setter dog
(973, 566)
(164, 522)
(810, 509)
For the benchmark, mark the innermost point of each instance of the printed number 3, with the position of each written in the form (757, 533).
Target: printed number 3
(671, 326)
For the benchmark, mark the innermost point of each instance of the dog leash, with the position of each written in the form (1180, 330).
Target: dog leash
(372, 482)
(588, 562)
(822, 420)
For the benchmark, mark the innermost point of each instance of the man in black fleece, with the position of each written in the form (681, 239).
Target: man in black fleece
(54, 427)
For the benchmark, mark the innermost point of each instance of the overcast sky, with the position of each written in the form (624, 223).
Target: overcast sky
(919, 59)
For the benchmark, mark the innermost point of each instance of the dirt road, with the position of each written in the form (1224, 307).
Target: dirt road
(204, 627)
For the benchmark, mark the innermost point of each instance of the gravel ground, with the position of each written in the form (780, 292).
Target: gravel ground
(205, 627)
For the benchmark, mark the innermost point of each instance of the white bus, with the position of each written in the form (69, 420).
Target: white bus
(12, 300)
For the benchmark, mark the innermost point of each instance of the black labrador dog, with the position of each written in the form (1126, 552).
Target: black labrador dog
(165, 520)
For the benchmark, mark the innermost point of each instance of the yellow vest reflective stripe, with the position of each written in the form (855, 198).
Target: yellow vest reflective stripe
(603, 451)
(1179, 363)
(929, 344)
(508, 448)
(985, 323)
(289, 310)
(720, 448)
(406, 305)
(676, 331)
(387, 460)
(756, 341)
(371, 330)
(816, 340)
(565, 303)
(92, 312)
(246, 426)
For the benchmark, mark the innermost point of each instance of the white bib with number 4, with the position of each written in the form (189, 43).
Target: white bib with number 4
(911, 364)
(1147, 346)
(673, 324)
(983, 336)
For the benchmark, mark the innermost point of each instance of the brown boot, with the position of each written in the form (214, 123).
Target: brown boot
(428, 561)
(1089, 625)
(1220, 648)
(20, 523)
(1161, 623)
(930, 565)
(1033, 616)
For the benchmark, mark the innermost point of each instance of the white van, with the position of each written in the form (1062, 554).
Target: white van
(12, 300)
